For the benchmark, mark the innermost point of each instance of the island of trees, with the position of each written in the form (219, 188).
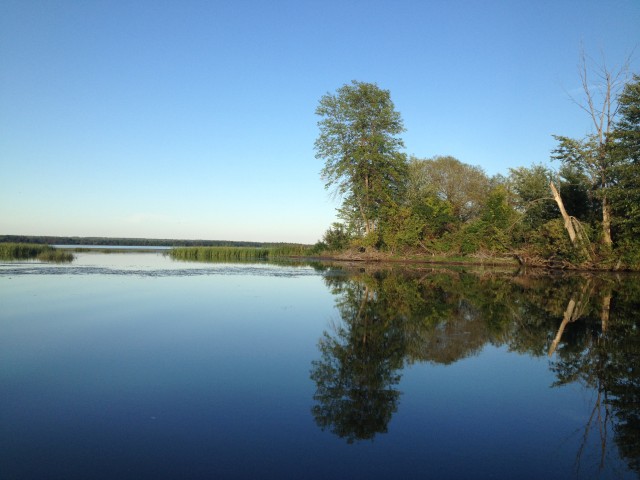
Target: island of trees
(585, 214)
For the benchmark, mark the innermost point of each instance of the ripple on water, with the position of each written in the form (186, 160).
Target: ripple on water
(8, 270)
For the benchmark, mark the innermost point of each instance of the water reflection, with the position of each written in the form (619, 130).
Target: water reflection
(587, 325)
(357, 372)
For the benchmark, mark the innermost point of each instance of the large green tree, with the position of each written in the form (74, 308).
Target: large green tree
(628, 127)
(626, 195)
(464, 186)
(360, 144)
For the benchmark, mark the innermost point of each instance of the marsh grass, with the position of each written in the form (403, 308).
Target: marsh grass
(32, 251)
(55, 256)
(237, 254)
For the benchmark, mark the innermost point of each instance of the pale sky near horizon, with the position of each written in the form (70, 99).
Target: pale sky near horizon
(195, 119)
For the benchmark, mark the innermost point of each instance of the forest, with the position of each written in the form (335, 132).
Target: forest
(584, 213)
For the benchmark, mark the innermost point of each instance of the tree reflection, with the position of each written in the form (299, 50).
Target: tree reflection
(606, 361)
(387, 319)
(587, 325)
(357, 372)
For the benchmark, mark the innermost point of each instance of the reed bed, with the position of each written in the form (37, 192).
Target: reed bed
(55, 256)
(237, 254)
(32, 251)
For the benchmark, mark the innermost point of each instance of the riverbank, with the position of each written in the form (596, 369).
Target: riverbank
(507, 260)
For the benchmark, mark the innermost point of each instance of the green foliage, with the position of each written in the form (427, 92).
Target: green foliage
(496, 211)
(578, 195)
(532, 196)
(627, 132)
(368, 240)
(603, 166)
(212, 254)
(238, 254)
(594, 155)
(336, 238)
(587, 171)
(437, 215)
(463, 186)
(490, 232)
(416, 225)
(551, 242)
(627, 254)
(54, 255)
(625, 198)
(20, 250)
(359, 143)
(470, 239)
(403, 228)
(318, 248)
(441, 206)
(26, 251)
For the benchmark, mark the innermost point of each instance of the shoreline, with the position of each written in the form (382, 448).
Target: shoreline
(512, 262)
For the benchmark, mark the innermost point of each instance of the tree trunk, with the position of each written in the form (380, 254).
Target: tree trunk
(606, 222)
(568, 223)
(363, 214)
(575, 309)
(567, 317)
(565, 216)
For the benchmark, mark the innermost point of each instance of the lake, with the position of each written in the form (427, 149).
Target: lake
(132, 365)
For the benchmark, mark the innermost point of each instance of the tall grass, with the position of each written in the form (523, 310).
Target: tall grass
(238, 254)
(26, 251)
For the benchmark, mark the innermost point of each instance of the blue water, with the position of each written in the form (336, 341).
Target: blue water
(134, 366)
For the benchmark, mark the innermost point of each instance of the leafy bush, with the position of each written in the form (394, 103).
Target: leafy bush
(551, 241)
(336, 237)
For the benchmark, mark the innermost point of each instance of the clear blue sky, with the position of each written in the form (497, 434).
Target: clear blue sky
(195, 119)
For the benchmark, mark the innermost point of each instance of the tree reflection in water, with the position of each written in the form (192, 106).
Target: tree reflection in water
(357, 372)
(588, 325)
(605, 358)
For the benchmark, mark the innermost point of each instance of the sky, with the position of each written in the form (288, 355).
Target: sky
(196, 119)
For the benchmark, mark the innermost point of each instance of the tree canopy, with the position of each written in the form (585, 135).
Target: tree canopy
(464, 187)
(626, 196)
(359, 143)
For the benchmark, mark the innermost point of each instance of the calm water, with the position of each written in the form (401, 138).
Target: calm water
(131, 365)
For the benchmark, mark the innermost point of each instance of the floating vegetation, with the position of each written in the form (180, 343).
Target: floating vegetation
(32, 251)
(238, 254)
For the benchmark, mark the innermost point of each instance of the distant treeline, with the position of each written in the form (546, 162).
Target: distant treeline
(133, 242)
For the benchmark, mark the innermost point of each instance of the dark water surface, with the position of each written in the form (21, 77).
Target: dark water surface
(131, 365)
